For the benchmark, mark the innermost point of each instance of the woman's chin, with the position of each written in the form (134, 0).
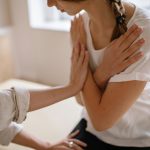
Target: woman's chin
(71, 13)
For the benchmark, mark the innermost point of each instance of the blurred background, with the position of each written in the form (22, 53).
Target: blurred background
(34, 52)
(34, 41)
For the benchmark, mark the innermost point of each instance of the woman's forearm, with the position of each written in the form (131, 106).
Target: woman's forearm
(92, 101)
(44, 98)
(101, 78)
(25, 139)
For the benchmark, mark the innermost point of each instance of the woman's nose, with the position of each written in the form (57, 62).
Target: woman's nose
(51, 3)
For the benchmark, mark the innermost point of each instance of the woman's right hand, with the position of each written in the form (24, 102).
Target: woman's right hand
(119, 55)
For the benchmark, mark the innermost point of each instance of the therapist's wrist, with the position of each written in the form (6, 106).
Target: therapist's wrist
(73, 89)
(43, 146)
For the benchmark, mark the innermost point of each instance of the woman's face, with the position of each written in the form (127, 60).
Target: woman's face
(69, 6)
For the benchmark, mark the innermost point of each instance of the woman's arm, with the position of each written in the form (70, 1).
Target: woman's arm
(112, 65)
(119, 55)
(43, 98)
(105, 109)
(110, 104)
(96, 92)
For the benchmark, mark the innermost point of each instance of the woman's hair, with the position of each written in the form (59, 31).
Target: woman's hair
(119, 12)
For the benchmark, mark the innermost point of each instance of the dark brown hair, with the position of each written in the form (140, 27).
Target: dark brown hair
(120, 16)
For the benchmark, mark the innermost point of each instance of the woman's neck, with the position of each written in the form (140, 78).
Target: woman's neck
(102, 21)
(100, 13)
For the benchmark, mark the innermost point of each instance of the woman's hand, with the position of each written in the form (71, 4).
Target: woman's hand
(69, 144)
(119, 55)
(77, 31)
(79, 67)
(78, 35)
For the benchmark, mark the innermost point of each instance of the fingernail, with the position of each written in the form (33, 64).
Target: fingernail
(139, 29)
(141, 53)
(142, 41)
(82, 45)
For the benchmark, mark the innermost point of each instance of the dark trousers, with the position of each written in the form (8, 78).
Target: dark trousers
(96, 144)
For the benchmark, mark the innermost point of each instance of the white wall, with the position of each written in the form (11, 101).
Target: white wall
(40, 55)
(4, 13)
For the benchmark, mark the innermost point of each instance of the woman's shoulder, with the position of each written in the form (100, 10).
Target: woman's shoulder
(84, 15)
(140, 17)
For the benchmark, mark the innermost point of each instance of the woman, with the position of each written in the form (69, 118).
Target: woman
(16, 102)
(116, 99)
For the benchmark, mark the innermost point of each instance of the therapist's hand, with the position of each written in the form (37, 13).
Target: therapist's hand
(119, 55)
(69, 144)
(79, 67)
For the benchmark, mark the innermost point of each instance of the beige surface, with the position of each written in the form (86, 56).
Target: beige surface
(52, 123)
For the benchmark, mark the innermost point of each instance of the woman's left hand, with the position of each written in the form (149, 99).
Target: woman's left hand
(77, 32)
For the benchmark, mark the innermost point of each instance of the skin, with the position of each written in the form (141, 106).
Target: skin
(105, 107)
(43, 98)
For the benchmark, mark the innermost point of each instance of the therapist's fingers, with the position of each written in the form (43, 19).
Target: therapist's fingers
(76, 53)
(78, 142)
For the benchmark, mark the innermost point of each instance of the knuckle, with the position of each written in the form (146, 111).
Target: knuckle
(130, 60)
(124, 36)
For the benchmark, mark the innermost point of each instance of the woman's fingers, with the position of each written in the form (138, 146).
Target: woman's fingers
(74, 30)
(132, 60)
(72, 135)
(133, 49)
(125, 35)
(131, 39)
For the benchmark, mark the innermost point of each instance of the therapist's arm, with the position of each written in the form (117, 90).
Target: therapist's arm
(26, 139)
(79, 67)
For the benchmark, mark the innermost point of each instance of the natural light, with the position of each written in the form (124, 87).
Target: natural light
(42, 17)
